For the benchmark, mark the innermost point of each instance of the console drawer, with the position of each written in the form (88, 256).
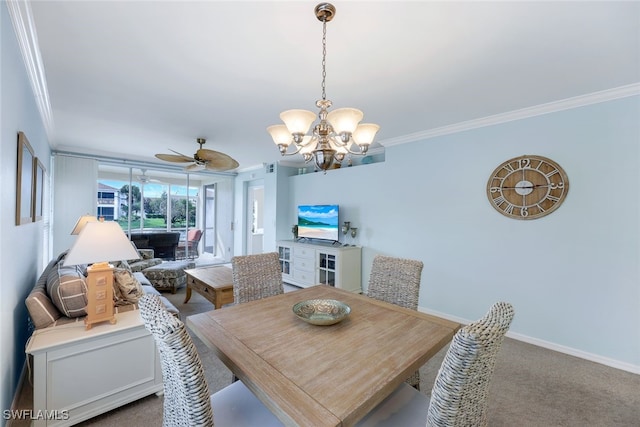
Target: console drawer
(305, 264)
(304, 252)
(304, 277)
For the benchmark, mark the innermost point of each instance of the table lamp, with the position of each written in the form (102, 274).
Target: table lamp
(98, 243)
(82, 221)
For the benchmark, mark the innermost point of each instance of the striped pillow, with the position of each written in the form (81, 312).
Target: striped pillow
(67, 289)
(42, 311)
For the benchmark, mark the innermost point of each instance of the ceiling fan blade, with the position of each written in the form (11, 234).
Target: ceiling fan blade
(180, 158)
(216, 161)
(195, 167)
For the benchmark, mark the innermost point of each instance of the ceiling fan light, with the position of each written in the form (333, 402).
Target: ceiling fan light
(344, 120)
(280, 134)
(298, 121)
(365, 133)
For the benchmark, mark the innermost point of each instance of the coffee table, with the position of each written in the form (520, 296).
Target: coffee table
(214, 283)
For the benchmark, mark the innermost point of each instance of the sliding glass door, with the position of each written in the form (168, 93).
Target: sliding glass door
(145, 200)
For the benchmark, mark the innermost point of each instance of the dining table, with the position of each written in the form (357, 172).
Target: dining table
(329, 375)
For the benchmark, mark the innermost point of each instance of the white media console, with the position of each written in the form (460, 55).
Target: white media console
(307, 264)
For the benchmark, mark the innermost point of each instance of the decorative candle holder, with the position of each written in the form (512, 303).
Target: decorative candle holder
(354, 232)
(345, 227)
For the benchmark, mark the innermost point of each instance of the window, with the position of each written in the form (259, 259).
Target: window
(145, 200)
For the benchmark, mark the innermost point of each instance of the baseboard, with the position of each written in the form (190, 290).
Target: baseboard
(634, 369)
(15, 403)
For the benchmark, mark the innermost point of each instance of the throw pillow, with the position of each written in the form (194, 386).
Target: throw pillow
(124, 265)
(67, 289)
(118, 299)
(42, 311)
(129, 286)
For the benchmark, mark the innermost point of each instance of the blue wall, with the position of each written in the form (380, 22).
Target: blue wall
(21, 247)
(573, 276)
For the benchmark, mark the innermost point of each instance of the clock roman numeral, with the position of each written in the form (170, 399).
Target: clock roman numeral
(508, 167)
(499, 200)
(509, 208)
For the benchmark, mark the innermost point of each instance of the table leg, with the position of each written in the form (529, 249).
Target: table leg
(186, 299)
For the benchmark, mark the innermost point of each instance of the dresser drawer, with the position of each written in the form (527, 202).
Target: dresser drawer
(304, 252)
(304, 277)
(305, 264)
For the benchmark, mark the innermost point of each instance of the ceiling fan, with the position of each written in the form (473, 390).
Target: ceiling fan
(145, 179)
(202, 159)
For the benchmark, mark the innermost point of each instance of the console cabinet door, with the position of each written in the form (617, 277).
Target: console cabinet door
(285, 253)
(327, 267)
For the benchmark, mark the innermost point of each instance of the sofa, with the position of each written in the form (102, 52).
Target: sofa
(163, 243)
(147, 259)
(59, 295)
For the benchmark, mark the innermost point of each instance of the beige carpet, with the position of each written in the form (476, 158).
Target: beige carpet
(531, 387)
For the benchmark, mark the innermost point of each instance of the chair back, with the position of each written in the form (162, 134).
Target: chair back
(459, 395)
(256, 276)
(186, 394)
(395, 280)
(194, 235)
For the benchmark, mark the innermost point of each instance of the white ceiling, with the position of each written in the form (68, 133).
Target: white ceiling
(129, 79)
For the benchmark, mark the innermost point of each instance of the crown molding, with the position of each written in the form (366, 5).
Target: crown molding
(24, 27)
(551, 107)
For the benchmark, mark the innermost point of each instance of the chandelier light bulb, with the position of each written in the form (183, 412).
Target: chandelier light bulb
(344, 120)
(365, 133)
(298, 121)
(280, 134)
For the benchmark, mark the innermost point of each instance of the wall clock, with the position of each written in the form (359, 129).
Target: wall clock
(527, 187)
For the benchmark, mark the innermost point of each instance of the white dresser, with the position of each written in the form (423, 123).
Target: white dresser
(308, 264)
(79, 373)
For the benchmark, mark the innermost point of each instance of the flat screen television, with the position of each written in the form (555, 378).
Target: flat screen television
(318, 222)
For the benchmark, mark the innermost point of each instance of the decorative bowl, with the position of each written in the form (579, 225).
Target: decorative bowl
(321, 311)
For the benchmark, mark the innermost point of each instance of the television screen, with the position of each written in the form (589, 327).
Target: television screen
(318, 222)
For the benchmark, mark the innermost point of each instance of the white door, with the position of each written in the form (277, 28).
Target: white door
(255, 218)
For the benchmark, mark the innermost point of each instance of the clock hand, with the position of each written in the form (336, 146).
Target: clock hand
(528, 186)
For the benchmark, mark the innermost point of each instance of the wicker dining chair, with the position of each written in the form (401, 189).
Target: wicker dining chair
(460, 393)
(397, 280)
(256, 276)
(187, 401)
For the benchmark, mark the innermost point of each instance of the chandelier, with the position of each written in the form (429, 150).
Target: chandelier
(338, 133)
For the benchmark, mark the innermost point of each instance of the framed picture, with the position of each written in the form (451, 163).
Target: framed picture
(24, 181)
(38, 191)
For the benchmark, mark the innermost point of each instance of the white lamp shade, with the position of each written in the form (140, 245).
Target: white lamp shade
(344, 119)
(365, 133)
(308, 144)
(82, 221)
(100, 242)
(298, 121)
(280, 134)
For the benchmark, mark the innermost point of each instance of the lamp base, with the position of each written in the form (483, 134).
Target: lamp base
(99, 295)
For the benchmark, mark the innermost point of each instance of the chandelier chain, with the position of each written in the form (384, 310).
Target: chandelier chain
(324, 59)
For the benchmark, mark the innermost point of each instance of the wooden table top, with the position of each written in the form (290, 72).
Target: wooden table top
(218, 276)
(321, 375)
